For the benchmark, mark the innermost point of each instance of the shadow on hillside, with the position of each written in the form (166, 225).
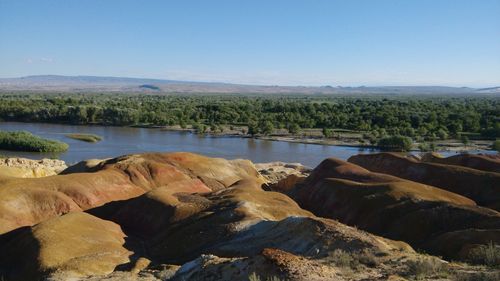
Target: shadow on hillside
(13, 265)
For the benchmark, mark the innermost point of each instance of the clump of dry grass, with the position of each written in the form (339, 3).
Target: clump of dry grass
(426, 266)
(342, 258)
(486, 254)
(255, 277)
(475, 276)
(368, 258)
(354, 260)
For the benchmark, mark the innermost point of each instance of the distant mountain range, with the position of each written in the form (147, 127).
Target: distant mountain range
(51, 83)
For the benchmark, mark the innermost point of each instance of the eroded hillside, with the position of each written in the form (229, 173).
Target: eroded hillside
(182, 216)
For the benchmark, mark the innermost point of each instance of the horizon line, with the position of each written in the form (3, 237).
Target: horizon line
(312, 85)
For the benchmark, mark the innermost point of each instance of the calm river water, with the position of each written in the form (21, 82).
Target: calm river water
(124, 140)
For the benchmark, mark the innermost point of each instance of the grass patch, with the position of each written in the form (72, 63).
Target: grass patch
(26, 141)
(85, 137)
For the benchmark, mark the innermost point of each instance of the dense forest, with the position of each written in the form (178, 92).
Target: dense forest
(377, 116)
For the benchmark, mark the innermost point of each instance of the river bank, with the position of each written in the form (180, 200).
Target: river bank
(310, 149)
(347, 139)
(129, 140)
(446, 145)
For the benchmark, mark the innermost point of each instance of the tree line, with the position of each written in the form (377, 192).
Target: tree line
(428, 117)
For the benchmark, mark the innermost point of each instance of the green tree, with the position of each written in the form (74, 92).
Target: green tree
(425, 147)
(267, 127)
(442, 134)
(328, 133)
(465, 140)
(293, 128)
(199, 128)
(253, 129)
(496, 145)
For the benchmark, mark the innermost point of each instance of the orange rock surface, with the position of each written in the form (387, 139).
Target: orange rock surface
(480, 186)
(28, 201)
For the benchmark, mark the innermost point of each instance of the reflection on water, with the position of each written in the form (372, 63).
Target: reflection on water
(124, 140)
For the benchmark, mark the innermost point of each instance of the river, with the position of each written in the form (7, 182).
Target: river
(126, 140)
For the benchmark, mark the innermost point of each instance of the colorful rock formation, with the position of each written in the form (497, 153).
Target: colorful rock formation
(29, 201)
(474, 161)
(481, 186)
(392, 207)
(182, 216)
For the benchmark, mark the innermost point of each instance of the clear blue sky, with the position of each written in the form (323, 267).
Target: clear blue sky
(285, 42)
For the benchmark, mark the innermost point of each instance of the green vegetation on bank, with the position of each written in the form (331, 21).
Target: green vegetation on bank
(26, 141)
(496, 145)
(427, 147)
(85, 137)
(399, 143)
(421, 118)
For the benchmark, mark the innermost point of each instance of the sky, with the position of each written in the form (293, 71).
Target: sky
(272, 42)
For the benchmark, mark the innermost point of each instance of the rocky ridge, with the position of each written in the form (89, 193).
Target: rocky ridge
(28, 168)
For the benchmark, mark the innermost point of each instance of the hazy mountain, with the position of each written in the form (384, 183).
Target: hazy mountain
(492, 90)
(47, 83)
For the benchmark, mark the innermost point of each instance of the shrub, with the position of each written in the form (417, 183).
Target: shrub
(199, 128)
(496, 145)
(368, 258)
(427, 147)
(26, 141)
(486, 254)
(426, 266)
(442, 134)
(266, 127)
(476, 276)
(399, 143)
(328, 133)
(371, 137)
(253, 129)
(255, 277)
(293, 128)
(492, 132)
(342, 258)
(465, 140)
(85, 137)
(354, 260)
(213, 128)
